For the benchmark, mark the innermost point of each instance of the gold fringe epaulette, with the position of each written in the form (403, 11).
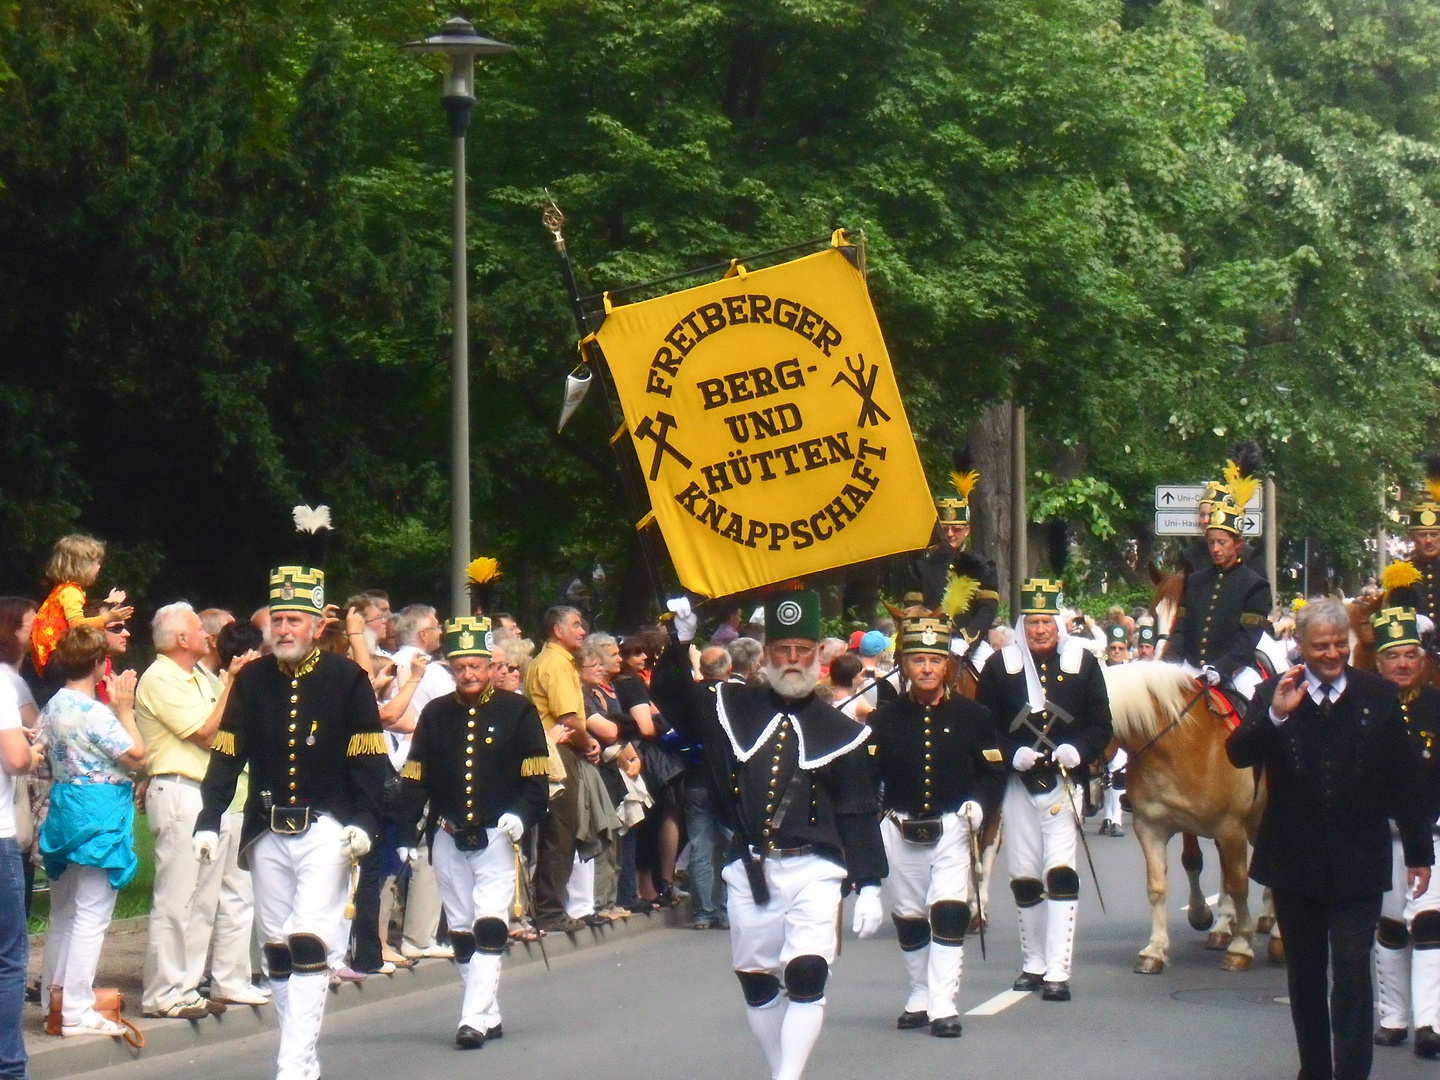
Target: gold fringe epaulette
(224, 743)
(1249, 618)
(411, 771)
(369, 742)
(535, 766)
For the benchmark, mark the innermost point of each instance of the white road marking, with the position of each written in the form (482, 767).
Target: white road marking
(999, 1003)
(1282, 1001)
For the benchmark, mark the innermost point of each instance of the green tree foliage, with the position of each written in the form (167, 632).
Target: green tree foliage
(224, 253)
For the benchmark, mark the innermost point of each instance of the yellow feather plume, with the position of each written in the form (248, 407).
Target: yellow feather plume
(1242, 488)
(1398, 575)
(483, 570)
(1432, 484)
(965, 482)
(959, 594)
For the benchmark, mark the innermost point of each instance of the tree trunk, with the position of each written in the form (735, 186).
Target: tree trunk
(989, 442)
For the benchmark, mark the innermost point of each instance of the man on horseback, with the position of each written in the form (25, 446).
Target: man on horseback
(955, 580)
(1407, 957)
(938, 757)
(1048, 695)
(1226, 606)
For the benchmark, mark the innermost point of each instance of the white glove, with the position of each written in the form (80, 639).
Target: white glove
(204, 844)
(971, 812)
(406, 855)
(1067, 755)
(686, 621)
(1210, 675)
(511, 826)
(959, 646)
(353, 842)
(868, 912)
(1025, 759)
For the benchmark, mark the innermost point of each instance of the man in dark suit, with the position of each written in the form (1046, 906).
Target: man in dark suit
(1332, 741)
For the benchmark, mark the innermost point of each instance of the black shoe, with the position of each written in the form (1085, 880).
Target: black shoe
(1391, 1036)
(497, 1032)
(1427, 1043)
(595, 920)
(1055, 991)
(947, 1027)
(467, 1038)
(1028, 982)
(908, 1021)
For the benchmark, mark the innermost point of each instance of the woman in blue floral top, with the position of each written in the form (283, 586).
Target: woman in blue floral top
(87, 842)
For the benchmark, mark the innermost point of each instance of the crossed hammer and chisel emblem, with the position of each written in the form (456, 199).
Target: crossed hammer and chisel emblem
(658, 431)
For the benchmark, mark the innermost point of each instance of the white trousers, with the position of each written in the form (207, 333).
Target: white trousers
(301, 884)
(227, 926)
(422, 902)
(1040, 836)
(1408, 979)
(800, 919)
(1113, 810)
(186, 895)
(476, 885)
(921, 876)
(81, 903)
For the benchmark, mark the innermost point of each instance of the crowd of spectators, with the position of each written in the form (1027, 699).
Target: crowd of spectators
(91, 735)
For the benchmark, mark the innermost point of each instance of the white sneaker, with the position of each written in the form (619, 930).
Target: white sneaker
(250, 995)
(97, 1026)
(434, 952)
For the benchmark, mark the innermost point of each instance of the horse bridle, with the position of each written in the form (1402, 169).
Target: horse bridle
(1173, 723)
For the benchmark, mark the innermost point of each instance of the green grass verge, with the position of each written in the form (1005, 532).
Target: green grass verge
(134, 899)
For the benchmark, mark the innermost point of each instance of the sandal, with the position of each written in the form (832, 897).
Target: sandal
(526, 933)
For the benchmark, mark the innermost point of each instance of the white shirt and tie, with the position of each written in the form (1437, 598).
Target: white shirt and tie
(1320, 692)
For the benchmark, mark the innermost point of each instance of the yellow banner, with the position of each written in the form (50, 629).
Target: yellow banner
(768, 425)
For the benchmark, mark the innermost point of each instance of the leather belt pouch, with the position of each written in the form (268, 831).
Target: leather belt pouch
(923, 831)
(290, 820)
(470, 839)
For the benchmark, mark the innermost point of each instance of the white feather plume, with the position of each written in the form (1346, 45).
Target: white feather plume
(311, 520)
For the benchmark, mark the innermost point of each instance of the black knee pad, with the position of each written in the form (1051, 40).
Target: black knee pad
(490, 935)
(277, 959)
(1391, 933)
(759, 987)
(308, 954)
(1062, 883)
(463, 942)
(805, 978)
(1425, 930)
(949, 919)
(913, 933)
(1028, 891)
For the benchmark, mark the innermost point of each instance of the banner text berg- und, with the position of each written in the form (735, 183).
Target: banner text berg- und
(768, 425)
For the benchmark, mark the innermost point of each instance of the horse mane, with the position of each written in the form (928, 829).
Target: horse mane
(1135, 692)
(1169, 591)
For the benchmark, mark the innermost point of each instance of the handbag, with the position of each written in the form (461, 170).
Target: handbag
(108, 1003)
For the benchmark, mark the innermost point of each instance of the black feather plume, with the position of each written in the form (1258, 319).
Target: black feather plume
(1248, 457)
(1432, 464)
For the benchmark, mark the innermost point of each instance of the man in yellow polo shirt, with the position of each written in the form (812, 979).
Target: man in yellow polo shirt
(179, 714)
(552, 683)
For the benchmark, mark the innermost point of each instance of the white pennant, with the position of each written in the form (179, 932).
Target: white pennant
(577, 385)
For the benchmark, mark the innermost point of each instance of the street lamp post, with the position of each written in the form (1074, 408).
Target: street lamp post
(459, 42)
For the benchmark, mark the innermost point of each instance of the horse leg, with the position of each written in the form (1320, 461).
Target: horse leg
(1199, 913)
(1266, 923)
(1223, 931)
(1235, 881)
(1153, 843)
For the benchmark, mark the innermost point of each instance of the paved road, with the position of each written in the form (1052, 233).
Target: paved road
(666, 1004)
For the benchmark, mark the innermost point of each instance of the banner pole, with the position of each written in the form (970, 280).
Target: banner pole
(554, 222)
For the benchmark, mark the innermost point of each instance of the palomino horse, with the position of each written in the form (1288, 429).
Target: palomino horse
(1180, 780)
